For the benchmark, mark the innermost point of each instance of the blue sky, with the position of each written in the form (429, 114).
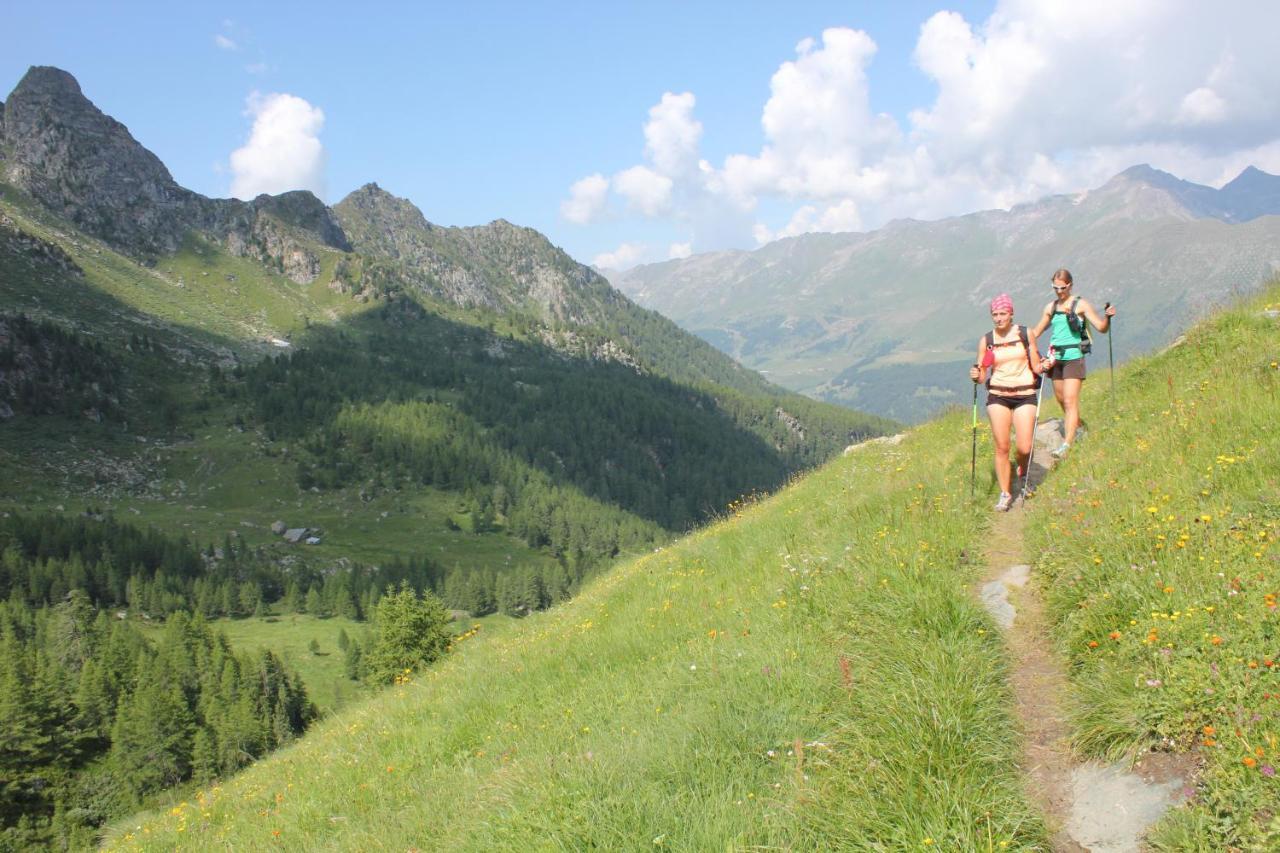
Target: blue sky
(497, 110)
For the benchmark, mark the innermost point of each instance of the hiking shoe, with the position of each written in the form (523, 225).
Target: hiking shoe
(1006, 500)
(1061, 451)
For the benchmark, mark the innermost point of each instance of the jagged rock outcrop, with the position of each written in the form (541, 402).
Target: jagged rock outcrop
(87, 168)
(499, 266)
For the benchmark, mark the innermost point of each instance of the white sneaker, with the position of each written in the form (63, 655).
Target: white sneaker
(1061, 451)
(1006, 500)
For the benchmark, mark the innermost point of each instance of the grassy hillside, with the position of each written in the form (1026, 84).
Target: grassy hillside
(810, 668)
(1161, 565)
(812, 672)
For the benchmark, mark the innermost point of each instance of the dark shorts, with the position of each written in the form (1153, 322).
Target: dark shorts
(1011, 402)
(1073, 369)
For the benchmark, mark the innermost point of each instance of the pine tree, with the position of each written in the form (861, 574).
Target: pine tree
(410, 632)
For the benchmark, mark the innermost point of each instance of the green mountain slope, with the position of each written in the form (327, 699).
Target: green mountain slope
(813, 672)
(567, 393)
(809, 669)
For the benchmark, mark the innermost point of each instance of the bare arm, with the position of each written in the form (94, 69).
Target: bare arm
(1045, 316)
(975, 372)
(1100, 322)
(1033, 352)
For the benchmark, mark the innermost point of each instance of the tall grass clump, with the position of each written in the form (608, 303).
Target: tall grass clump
(1157, 542)
(810, 672)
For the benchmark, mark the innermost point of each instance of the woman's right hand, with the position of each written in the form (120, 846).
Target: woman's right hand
(974, 375)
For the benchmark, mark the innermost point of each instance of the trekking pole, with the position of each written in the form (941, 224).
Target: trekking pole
(1111, 357)
(988, 360)
(973, 458)
(1026, 475)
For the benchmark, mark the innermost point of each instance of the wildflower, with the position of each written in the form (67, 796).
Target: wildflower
(1115, 635)
(1216, 640)
(1210, 731)
(1268, 770)
(1249, 761)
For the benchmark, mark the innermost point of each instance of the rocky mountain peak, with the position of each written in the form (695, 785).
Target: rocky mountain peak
(301, 209)
(378, 207)
(85, 166)
(1251, 194)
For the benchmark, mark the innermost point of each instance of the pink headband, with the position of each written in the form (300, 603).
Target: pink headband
(1002, 303)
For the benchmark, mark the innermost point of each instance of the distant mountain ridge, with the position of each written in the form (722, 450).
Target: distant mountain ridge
(885, 320)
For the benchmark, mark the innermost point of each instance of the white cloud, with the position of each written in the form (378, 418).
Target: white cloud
(679, 250)
(225, 43)
(587, 199)
(672, 135)
(645, 190)
(1043, 96)
(283, 151)
(624, 257)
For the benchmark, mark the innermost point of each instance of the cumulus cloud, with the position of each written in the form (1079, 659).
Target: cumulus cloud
(225, 43)
(587, 199)
(624, 257)
(644, 189)
(672, 134)
(283, 151)
(678, 251)
(1039, 98)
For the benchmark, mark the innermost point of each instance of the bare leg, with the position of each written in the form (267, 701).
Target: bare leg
(1001, 419)
(1070, 399)
(1024, 424)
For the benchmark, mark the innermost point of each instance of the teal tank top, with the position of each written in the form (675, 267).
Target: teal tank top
(1065, 343)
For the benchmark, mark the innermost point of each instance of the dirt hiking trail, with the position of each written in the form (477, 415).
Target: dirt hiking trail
(1089, 806)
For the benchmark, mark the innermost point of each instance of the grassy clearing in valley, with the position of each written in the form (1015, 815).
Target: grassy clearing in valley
(1160, 564)
(810, 672)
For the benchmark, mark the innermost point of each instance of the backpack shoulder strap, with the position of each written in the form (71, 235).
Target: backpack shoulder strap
(1026, 346)
(990, 338)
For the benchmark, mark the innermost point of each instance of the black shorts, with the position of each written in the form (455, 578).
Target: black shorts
(1011, 402)
(1073, 369)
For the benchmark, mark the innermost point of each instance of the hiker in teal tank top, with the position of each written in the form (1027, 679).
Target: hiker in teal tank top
(1067, 318)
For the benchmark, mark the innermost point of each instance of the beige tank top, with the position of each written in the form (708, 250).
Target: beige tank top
(1012, 374)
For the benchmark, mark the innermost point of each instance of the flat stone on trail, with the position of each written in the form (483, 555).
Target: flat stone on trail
(995, 594)
(1112, 808)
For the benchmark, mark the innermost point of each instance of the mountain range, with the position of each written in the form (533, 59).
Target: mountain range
(504, 362)
(887, 320)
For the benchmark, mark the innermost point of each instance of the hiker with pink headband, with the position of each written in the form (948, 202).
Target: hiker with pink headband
(1010, 364)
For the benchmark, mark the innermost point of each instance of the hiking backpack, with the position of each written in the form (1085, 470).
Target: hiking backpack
(1079, 327)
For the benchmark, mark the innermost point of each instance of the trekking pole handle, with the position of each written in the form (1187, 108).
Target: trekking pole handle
(1109, 319)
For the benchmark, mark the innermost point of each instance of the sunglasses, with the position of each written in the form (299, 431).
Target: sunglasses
(1060, 286)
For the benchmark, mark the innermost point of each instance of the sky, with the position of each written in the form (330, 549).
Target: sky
(636, 132)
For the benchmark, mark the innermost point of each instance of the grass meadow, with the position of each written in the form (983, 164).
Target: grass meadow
(1161, 572)
(809, 672)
